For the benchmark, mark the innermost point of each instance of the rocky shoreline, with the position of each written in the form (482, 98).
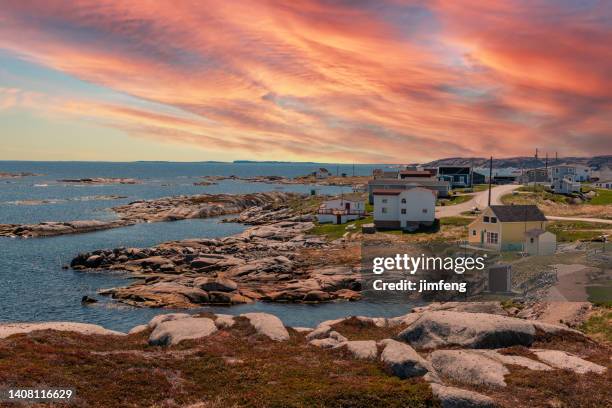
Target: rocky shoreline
(329, 181)
(101, 180)
(261, 263)
(465, 355)
(157, 210)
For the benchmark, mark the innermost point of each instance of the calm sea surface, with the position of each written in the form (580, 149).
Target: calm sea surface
(34, 287)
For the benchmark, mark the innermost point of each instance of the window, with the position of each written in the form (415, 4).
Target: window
(492, 237)
(403, 201)
(485, 219)
(384, 201)
(474, 232)
(493, 220)
(383, 210)
(531, 240)
(403, 211)
(424, 210)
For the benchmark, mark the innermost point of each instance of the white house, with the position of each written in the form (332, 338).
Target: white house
(341, 210)
(540, 242)
(603, 184)
(565, 185)
(404, 209)
(583, 173)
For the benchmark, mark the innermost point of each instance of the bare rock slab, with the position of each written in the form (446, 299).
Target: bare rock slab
(224, 321)
(452, 397)
(172, 332)
(268, 325)
(362, 349)
(567, 361)
(166, 317)
(469, 367)
(8, 329)
(403, 360)
(469, 330)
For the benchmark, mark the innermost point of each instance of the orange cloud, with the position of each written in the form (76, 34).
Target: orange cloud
(393, 81)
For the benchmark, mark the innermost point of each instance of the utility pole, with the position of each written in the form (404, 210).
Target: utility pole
(353, 169)
(535, 171)
(490, 178)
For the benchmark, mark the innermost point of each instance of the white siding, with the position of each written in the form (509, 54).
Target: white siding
(388, 202)
(419, 206)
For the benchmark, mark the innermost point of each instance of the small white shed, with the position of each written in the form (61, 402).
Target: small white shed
(540, 242)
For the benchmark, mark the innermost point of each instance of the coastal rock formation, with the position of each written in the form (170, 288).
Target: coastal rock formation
(362, 349)
(567, 361)
(402, 360)
(8, 329)
(17, 175)
(258, 264)
(172, 332)
(468, 367)
(162, 209)
(101, 180)
(472, 330)
(451, 397)
(165, 318)
(512, 376)
(48, 229)
(198, 206)
(268, 325)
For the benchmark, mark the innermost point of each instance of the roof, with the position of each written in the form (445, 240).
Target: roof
(406, 182)
(352, 197)
(416, 173)
(387, 192)
(534, 232)
(398, 192)
(518, 213)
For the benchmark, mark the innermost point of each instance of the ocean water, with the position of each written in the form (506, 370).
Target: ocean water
(33, 285)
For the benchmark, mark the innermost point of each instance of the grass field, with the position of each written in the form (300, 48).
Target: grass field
(604, 197)
(456, 199)
(335, 231)
(570, 231)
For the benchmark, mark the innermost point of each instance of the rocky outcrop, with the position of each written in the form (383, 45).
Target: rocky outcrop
(162, 209)
(49, 229)
(9, 329)
(258, 264)
(566, 361)
(165, 318)
(268, 325)
(361, 349)
(402, 360)
(471, 330)
(451, 397)
(172, 332)
(199, 206)
(468, 367)
(101, 180)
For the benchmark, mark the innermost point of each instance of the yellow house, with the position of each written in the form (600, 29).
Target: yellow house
(503, 227)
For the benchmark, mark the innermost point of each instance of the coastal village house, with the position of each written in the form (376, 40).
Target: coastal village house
(539, 175)
(457, 176)
(503, 227)
(440, 188)
(565, 185)
(603, 184)
(341, 210)
(404, 209)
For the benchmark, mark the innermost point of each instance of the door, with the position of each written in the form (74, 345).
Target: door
(482, 235)
(338, 219)
(347, 207)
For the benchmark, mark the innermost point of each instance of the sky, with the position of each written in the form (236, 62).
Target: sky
(385, 81)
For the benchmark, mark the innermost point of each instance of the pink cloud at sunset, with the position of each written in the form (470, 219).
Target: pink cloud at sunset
(394, 81)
